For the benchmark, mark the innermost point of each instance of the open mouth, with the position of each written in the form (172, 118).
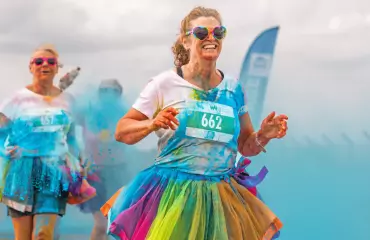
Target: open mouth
(209, 46)
(45, 71)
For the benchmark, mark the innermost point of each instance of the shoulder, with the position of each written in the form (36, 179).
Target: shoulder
(13, 101)
(164, 77)
(232, 83)
(161, 82)
(68, 97)
(16, 97)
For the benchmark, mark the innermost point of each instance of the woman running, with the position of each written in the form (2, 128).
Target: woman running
(194, 190)
(105, 157)
(40, 169)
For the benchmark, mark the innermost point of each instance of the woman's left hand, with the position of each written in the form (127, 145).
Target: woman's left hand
(274, 126)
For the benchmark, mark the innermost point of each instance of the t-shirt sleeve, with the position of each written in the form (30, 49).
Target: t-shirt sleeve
(241, 100)
(80, 111)
(148, 101)
(7, 108)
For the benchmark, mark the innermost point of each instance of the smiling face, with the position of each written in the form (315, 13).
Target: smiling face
(44, 65)
(208, 48)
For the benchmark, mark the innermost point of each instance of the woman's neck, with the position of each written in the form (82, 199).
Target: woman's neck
(45, 88)
(203, 74)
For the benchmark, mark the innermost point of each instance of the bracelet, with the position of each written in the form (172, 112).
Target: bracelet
(259, 143)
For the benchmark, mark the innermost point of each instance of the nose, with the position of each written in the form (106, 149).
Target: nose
(44, 63)
(210, 37)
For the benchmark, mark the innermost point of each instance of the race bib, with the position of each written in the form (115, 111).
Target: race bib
(212, 121)
(48, 121)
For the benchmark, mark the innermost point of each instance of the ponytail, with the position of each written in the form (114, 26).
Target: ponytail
(181, 55)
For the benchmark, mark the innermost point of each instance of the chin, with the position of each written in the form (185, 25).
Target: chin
(210, 58)
(46, 78)
(213, 56)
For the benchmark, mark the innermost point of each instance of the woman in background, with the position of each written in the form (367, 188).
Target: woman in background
(105, 158)
(40, 166)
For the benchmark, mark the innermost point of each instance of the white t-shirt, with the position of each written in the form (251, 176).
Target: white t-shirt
(206, 139)
(39, 127)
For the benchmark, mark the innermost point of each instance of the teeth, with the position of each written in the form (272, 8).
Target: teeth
(209, 46)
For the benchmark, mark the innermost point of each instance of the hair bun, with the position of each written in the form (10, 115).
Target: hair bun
(180, 53)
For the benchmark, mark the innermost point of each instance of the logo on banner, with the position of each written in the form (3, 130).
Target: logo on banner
(260, 64)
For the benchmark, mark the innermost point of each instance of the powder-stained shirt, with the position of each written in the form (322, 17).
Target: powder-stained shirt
(39, 127)
(205, 142)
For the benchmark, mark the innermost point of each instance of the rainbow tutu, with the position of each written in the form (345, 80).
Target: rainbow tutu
(164, 203)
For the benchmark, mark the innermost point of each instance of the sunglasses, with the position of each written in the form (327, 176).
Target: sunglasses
(40, 61)
(202, 33)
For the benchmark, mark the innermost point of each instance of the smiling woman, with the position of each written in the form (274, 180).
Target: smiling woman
(194, 191)
(39, 151)
(182, 53)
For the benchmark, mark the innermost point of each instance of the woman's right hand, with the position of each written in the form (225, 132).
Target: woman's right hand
(13, 152)
(165, 119)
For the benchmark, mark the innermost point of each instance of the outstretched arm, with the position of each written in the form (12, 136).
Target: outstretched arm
(133, 127)
(250, 143)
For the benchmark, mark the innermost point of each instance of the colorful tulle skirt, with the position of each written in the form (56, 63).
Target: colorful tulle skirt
(164, 204)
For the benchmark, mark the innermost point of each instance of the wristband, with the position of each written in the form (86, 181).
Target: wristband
(258, 143)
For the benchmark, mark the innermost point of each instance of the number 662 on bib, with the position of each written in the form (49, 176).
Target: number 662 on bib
(211, 126)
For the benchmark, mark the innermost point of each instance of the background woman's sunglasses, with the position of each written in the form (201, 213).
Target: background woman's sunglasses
(202, 33)
(40, 61)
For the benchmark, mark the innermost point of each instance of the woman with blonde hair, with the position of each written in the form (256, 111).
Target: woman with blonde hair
(40, 152)
(194, 191)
